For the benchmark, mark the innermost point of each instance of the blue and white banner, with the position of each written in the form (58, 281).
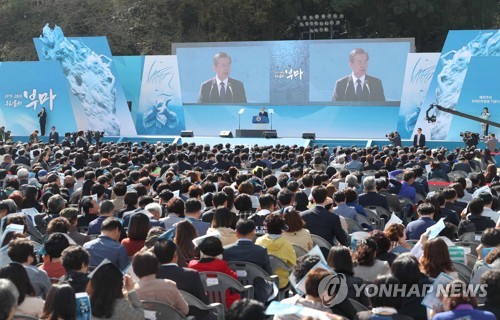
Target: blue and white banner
(160, 105)
(419, 72)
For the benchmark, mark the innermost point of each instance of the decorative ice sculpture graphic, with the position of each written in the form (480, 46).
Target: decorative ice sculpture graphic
(451, 78)
(90, 78)
(160, 115)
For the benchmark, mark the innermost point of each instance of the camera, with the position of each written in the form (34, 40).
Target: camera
(470, 138)
(390, 135)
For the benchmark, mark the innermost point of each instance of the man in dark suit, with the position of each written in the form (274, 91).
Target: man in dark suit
(371, 196)
(322, 222)
(54, 135)
(419, 139)
(246, 250)
(263, 112)
(358, 86)
(222, 89)
(186, 279)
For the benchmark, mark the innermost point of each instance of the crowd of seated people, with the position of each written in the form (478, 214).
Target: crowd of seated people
(125, 222)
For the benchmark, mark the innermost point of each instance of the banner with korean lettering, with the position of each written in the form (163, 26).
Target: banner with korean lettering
(160, 106)
(97, 97)
(26, 88)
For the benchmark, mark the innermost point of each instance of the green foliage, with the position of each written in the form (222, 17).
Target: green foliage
(149, 27)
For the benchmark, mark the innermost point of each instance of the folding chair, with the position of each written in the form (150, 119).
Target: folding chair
(196, 303)
(154, 310)
(471, 260)
(216, 284)
(463, 270)
(299, 251)
(353, 226)
(247, 272)
(322, 243)
(358, 306)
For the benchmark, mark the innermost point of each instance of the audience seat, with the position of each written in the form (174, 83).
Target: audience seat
(154, 310)
(216, 284)
(196, 303)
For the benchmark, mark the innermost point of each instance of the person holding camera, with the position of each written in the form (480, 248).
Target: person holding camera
(394, 138)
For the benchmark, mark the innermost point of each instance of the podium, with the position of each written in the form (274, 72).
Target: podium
(261, 128)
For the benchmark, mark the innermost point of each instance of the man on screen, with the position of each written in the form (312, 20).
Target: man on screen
(358, 86)
(263, 112)
(221, 88)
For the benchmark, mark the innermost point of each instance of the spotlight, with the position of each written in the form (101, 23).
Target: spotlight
(321, 23)
(332, 22)
(316, 23)
(302, 24)
(334, 16)
(326, 29)
(338, 22)
(307, 23)
(311, 17)
(323, 16)
(341, 16)
(316, 30)
(311, 30)
(316, 16)
(304, 17)
(329, 16)
(320, 29)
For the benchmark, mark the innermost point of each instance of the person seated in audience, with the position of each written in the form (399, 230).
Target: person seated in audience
(277, 245)
(71, 214)
(267, 204)
(8, 299)
(425, 220)
(210, 251)
(106, 246)
(371, 196)
(175, 207)
(113, 295)
(185, 232)
(406, 269)
(351, 200)
(90, 209)
(342, 209)
(487, 210)
(243, 205)
(60, 303)
(246, 309)
(106, 210)
(296, 233)
(23, 252)
(436, 259)
(491, 280)
(321, 222)
(437, 173)
(245, 250)
(221, 223)
(27, 304)
(193, 214)
(136, 233)
(392, 199)
(339, 259)
(459, 304)
(75, 261)
(383, 246)
(384, 304)
(407, 189)
(448, 235)
(312, 298)
(301, 202)
(149, 288)
(490, 240)
(396, 232)
(475, 221)
(54, 246)
(186, 279)
(367, 266)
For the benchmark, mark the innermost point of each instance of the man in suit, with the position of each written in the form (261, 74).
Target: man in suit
(246, 250)
(186, 279)
(371, 197)
(358, 86)
(322, 222)
(222, 88)
(263, 112)
(54, 135)
(419, 139)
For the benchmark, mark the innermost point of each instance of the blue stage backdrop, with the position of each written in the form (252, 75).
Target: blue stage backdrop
(129, 69)
(451, 71)
(97, 97)
(26, 87)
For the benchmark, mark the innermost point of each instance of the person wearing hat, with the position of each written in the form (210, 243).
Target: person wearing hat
(211, 260)
(71, 214)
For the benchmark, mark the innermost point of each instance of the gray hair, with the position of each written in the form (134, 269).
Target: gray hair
(220, 55)
(153, 206)
(351, 180)
(357, 51)
(56, 203)
(8, 298)
(369, 183)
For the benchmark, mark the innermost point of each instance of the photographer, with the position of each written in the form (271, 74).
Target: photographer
(471, 139)
(80, 142)
(394, 138)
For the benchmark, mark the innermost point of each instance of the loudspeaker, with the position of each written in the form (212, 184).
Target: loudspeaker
(226, 134)
(187, 133)
(270, 134)
(309, 135)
